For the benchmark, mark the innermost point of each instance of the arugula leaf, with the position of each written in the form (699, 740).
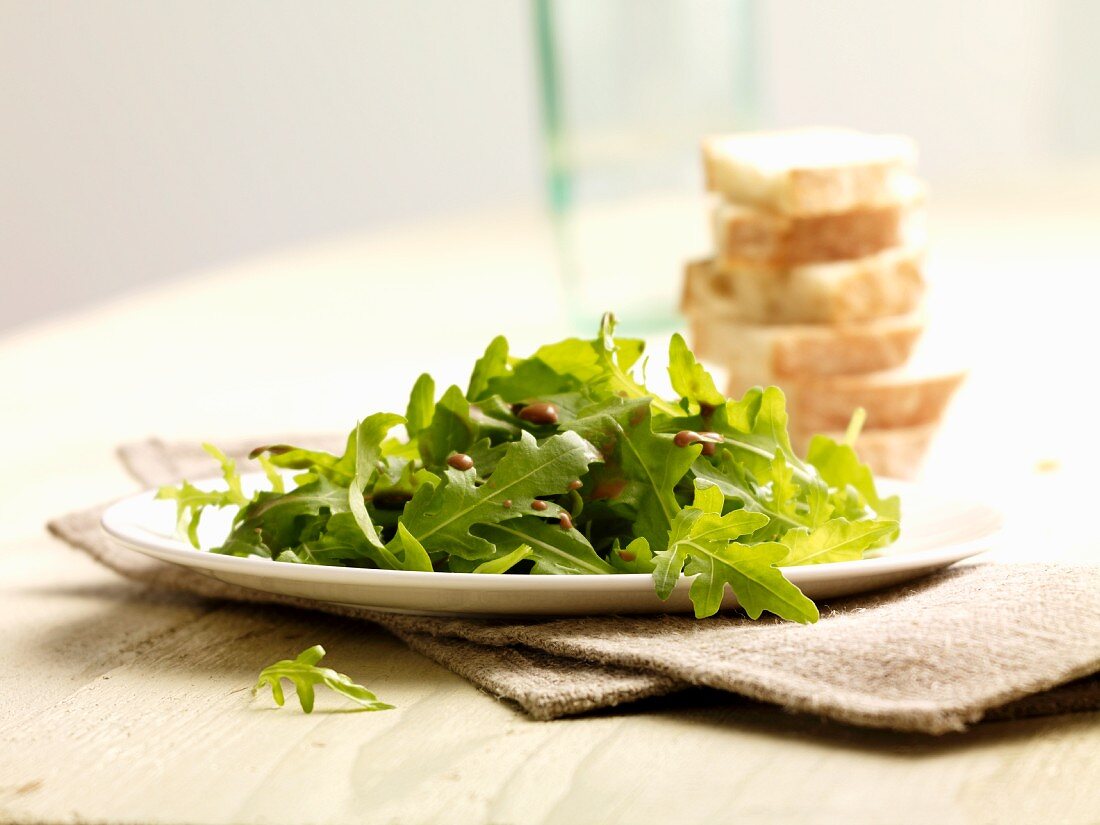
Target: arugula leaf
(397, 479)
(839, 465)
(335, 540)
(414, 556)
(752, 574)
(504, 563)
(495, 420)
(699, 531)
(493, 364)
(784, 492)
(554, 550)
(623, 432)
(421, 407)
(835, 540)
(756, 428)
(689, 379)
(274, 477)
(572, 357)
(636, 557)
(369, 435)
(485, 456)
(191, 501)
(303, 673)
(737, 484)
(703, 544)
(451, 431)
(441, 517)
(529, 379)
(316, 463)
(277, 519)
(616, 360)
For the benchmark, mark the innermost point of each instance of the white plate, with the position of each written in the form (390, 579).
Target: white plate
(935, 534)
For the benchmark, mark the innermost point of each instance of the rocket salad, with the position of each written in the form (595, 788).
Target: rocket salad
(563, 463)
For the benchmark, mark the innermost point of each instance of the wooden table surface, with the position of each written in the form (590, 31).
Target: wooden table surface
(117, 706)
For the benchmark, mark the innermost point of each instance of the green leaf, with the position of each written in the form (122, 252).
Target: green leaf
(441, 517)
(616, 379)
(739, 486)
(531, 379)
(756, 464)
(703, 544)
(839, 465)
(316, 463)
(229, 474)
(694, 532)
(493, 364)
(303, 673)
(623, 432)
(421, 405)
(274, 477)
(709, 498)
(636, 557)
(553, 549)
(505, 562)
(278, 518)
(191, 501)
(451, 431)
(336, 540)
(572, 357)
(751, 572)
(243, 545)
(369, 435)
(396, 480)
(485, 456)
(415, 557)
(755, 427)
(495, 420)
(836, 540)
(689, 378)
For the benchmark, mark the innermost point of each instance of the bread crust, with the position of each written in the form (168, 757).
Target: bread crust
(752, 237)
(775, 352)
(782, 172)
(877, 286)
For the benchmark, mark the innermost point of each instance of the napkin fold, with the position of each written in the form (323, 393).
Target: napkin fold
(984, 641)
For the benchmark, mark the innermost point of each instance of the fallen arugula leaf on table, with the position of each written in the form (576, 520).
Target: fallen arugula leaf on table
(564, 463)
(303, 673)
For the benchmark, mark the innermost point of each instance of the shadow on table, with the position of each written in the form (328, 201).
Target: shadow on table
(726, 712)
(234, 640)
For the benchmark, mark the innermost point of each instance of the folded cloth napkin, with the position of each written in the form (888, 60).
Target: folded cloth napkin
(985, 641)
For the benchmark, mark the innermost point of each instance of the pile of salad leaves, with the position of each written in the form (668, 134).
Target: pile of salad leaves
(563, 463)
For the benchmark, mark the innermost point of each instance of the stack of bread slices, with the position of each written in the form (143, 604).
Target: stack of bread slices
(816, 286)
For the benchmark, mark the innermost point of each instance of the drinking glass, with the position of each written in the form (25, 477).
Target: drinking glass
(628, 88)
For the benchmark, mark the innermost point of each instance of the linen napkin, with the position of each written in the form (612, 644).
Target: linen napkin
(985, 641)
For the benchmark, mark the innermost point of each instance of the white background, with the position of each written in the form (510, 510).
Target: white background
(142, 140)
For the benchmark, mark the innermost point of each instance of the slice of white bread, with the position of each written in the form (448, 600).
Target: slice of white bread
(744, 235)
(904, 397)
(772, 352)
(893, 453)
(889, 283)
(806, 171)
